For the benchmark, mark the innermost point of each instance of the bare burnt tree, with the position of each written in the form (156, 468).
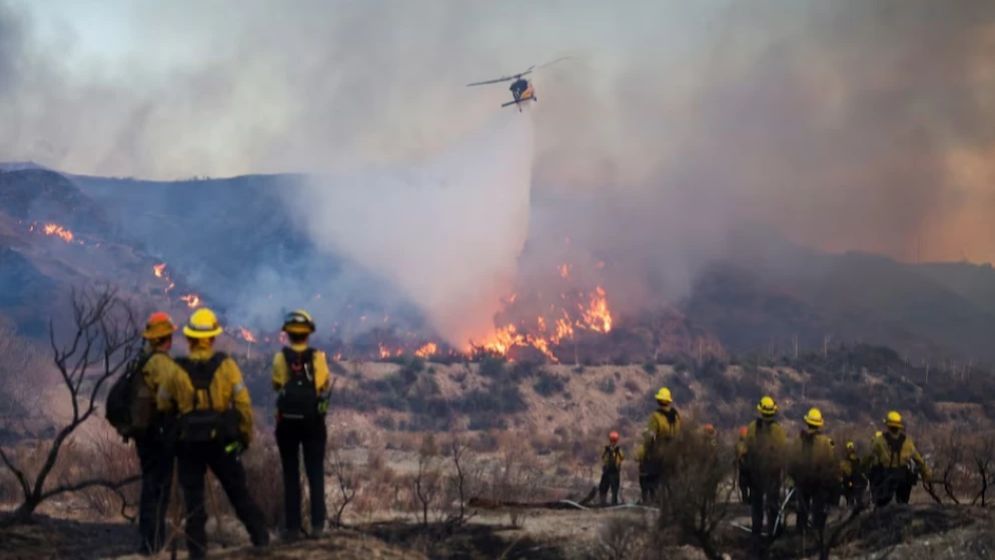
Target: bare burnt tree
(458, 482)
(347, 484)
(983, 454)
(425, 485)
(104, 339)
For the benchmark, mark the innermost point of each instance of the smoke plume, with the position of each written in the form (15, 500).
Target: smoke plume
(447, 232)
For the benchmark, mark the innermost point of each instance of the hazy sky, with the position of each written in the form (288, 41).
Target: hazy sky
(844, 125)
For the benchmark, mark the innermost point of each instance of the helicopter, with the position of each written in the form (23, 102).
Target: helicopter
(521, 89)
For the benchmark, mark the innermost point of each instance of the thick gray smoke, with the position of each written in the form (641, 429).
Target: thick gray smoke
(448, 232)
(843, 125)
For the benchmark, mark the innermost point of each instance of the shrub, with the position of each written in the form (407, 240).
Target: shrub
(607, 386)
(649, 368)
(548, 384)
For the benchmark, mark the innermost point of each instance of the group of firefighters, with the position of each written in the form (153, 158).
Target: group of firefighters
(202, 418)
(765, 458)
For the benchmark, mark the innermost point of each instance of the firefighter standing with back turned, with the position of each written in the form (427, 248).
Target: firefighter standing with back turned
(815, 471)
(611, 469)
(301, 379)
(214, 427)
(664, 425)
(892, 455)
(156, 452)
(765, 446)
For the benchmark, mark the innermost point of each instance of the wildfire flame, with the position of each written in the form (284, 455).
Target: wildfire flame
(192, 300)
(246, 335)
(594, 315)
(386, 352)
(56, 230)
(159, 270)
(429, 349)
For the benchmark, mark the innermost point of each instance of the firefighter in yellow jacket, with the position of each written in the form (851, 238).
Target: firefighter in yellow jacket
(214, 425)
(766, 444)
(662, 428)
(815, 470)
(302, 381)
(156, 450)
(854, 470)
(611, 470)
(893, 456)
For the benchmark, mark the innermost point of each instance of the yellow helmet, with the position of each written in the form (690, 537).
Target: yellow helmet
(850, 446)
(814, 418)
(663, 395)
(893, 419)
(298, 322)
(203, 323)
(767, 406)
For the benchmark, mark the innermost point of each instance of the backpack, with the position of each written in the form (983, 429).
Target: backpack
(298, 399)
(206, 425)
(130, 404)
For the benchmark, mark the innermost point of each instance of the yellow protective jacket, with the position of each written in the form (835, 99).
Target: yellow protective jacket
(852, 465)
(813, 459)
(159, 366)
(227, 389)
(322, 377)
(893, 451)
(612, 457)
(766, 444)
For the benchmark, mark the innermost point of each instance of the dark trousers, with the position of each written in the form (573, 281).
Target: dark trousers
(854, 491)
(295, 437)
(893, 483)
(744, 485)
(194, 460)
(813, 501)
(610, 478)
(765, 495)
(155, 456)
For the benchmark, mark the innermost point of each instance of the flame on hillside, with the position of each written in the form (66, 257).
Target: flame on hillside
(386, 352)
(559, 323)
(429, 349)
(52, 229)
(159, 270)
(246, 335)
(192, 300)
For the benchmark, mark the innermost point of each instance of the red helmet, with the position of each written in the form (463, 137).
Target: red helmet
(743, 431)
(613, 437)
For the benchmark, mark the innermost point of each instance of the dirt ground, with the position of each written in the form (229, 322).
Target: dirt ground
(922, 531)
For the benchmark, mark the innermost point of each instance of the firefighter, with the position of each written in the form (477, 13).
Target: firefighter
(214, 426)
(301, 380)
(155, 447)
(663, 427)
(893, 456)
(765, 446)
(815, 470)
(742, 471)
(611, 470)
(854, 477)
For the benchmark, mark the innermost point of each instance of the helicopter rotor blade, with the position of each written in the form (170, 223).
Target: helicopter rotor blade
(495, 81)
(552, 62)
